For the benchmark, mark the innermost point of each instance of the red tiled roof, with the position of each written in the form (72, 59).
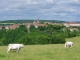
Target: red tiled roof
(14, 26)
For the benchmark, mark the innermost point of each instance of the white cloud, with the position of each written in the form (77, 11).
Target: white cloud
(28, 1)
(74, 0)
(45, 9)
(49, 1)
(72, 10)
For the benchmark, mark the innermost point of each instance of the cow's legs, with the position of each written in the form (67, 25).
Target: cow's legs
(17, 49)
(71, 45)
(8, 50)
(65, 45)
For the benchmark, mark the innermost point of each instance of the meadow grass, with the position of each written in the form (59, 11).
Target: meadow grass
(44, 52)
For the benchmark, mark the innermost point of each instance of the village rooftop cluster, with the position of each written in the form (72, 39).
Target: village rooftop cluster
(37, 23)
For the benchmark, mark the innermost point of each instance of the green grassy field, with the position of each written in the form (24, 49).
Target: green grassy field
(44, 52)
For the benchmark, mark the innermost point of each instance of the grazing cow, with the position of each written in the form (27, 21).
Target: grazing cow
(16, 47)
(68, 44)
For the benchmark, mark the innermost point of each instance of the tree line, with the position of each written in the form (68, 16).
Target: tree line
(30, 20)
(50, 34)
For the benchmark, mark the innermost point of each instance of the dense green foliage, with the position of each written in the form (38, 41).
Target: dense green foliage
(52, 34)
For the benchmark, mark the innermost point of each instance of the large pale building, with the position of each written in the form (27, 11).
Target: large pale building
(73, 24)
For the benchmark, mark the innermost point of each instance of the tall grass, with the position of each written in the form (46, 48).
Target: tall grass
(44, 52)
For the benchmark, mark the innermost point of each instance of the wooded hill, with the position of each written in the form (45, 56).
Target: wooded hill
(24, 21)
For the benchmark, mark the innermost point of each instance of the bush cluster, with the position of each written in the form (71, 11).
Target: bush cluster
(52, 34)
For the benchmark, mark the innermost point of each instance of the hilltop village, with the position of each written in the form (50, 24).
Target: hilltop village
(71, 25)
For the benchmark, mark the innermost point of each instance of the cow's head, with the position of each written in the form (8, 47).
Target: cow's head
(22, 45)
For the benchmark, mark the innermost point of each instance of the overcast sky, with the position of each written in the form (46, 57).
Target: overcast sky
(65, 10)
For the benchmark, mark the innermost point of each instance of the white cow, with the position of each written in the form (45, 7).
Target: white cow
(68, 44)
(16, 47)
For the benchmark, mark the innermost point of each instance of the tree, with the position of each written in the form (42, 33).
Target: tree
(58, 38)
(49, 29)
(27, 40)
(41, 39)
(33, 29)
(42, 28)
(23, 28)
